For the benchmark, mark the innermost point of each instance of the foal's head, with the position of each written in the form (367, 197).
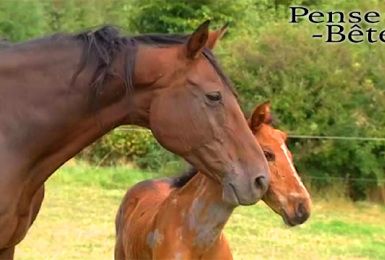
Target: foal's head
(194, 112)
(286, 195)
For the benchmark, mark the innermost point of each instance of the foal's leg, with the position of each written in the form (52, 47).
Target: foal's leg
(7, 254)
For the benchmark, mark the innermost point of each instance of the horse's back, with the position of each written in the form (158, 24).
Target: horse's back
(136, 216)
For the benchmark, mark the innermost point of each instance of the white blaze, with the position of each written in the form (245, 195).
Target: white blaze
(286, 152)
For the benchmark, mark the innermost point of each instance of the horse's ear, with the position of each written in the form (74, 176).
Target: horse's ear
(260, 115)
(197, 40)
(215, 36)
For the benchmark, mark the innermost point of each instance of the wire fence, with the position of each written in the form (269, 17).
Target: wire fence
(347, 138)
(294, 136)
(311, 137)
(346, 179)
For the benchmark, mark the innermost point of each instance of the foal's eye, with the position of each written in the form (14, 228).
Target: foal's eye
(214, 96)
(270, 156)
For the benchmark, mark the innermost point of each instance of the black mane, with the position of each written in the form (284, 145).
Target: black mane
(181, 180)
(105, 43)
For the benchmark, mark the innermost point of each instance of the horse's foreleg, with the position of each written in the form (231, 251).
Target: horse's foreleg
(23, 225)
(7, 253)
(36, 203)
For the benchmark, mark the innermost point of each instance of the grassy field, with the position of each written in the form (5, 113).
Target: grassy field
(77, 222)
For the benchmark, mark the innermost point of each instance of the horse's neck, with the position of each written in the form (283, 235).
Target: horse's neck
(33, 56)
(47, 120)
(202, 212)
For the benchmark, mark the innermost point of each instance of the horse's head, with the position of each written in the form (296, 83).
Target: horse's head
(286, 195)
(194, 112)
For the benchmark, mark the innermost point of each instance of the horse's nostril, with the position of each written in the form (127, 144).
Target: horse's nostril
(261, 183)
(300, 210)
(301, 213)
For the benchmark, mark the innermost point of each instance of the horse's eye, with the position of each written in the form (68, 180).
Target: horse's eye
(214, 96)
(270, 156)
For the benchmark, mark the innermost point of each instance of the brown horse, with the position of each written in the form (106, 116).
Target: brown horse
(59, 94)
(183, 218)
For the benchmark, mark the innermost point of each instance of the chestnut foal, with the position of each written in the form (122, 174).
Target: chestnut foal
(183, 218)
(286, 195)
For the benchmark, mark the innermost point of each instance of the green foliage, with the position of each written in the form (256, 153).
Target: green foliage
(119, 145)
(16, 25)
(160, 160)
(132, 145)
(315, 88)
(168, 16)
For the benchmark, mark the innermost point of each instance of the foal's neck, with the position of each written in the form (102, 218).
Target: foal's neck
(204, 212)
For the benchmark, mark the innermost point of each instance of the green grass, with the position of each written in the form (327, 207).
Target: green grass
(77, 222)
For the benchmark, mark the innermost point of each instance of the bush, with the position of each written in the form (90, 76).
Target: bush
(119, 146)
(168, 16)
(316, 89)
(15, 25)
(132, 145)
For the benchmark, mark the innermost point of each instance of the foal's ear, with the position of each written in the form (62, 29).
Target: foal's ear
(260, 115)
(197, 40)
(215, 36)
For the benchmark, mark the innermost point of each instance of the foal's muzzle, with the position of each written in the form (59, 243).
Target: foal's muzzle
(300, 214)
